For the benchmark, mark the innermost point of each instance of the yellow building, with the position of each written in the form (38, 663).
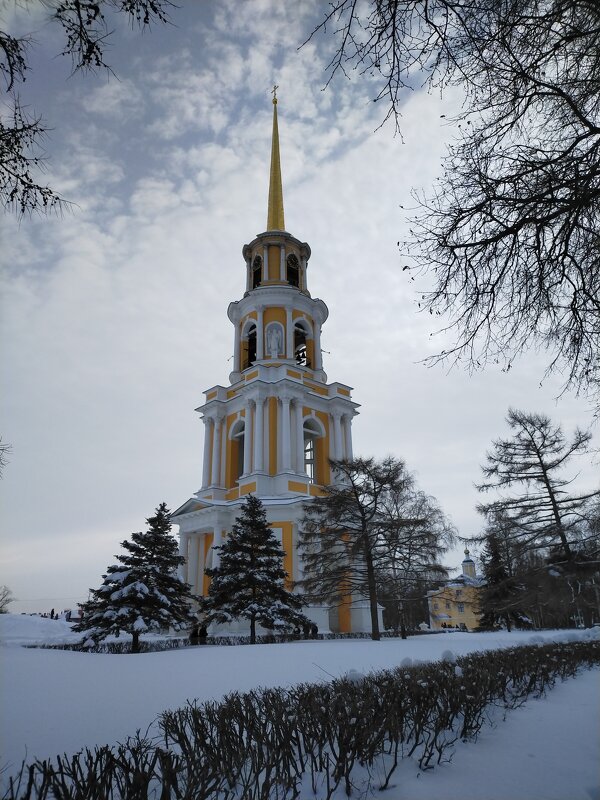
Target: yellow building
(273, 428)
(456, 603)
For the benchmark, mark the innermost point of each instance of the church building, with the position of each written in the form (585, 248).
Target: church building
(273, 428)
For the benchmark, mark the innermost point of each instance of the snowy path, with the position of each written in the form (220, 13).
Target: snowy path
(548, 749)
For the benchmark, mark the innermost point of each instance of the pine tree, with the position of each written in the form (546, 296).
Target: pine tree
(143, 592)
(249, 581)
(500, 599)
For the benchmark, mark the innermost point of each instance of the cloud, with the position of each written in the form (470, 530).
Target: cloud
(117, 97)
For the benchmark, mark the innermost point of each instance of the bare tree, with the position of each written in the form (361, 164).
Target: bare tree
(85, 24)
(510, 238)
(541, 514)
(4, 451)
(6, 597)
(371, 529)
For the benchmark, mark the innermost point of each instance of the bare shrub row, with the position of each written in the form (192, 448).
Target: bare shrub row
(313, 739)
(176, 643)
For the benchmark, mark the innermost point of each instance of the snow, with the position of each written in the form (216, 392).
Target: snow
(58, 701)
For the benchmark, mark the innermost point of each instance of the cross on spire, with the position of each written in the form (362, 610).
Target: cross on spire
(274, 93)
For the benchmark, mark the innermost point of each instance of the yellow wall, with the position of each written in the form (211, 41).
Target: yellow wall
(288, 548)
(231, 454)
(296, 486)
(208, 541)
(344, 615)
(274, 314)
(447, 600)
(274, 262)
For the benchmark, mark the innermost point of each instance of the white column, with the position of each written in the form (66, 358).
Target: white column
(206, 457)
(299, 437)
(289, 334)
(317, 345)
(192, 576)
(248, 438)
(260, 335)
(265, 263)
(183, 553)
(302, 280)
(201, 562)
(217, 541)
(347, 420)
(286, 450)
(216, 453)
(259, 435)
(248, 274)
(282, 274)
(337, 424)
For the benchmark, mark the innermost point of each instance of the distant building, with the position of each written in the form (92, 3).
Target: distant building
(456, 603)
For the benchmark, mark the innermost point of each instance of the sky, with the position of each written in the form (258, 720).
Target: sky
(113, 315)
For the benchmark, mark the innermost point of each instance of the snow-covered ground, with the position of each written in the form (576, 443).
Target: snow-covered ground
(57, 701)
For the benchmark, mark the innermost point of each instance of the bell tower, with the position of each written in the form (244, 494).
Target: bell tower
(272, 430)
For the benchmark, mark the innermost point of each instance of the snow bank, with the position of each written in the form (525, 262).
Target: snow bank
(59, 701)
(22, 629)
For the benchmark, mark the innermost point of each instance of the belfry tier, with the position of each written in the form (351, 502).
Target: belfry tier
(273, 430)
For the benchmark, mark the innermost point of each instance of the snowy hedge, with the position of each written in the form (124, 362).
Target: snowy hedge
(313, 740)
(156, 645)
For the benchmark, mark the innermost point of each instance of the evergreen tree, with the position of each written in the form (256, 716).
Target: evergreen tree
(500, 598)
(143, 592)
(249, 581)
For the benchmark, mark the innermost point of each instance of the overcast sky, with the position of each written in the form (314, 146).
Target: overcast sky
(114, 316)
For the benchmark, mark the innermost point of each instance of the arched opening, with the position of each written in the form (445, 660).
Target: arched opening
(237, 449)
(249, 347)
(256, 272)
(309, 457)
(293, 271)
(312, 432)
(300, 350)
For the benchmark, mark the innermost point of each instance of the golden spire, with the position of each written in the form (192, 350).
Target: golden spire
(275, 219)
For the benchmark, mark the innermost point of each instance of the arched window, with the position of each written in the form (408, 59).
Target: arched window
(237, 438)
(312, 432)
(293, 271)
(309, 457)
(256, 272)
(249, 347)
(300, 352)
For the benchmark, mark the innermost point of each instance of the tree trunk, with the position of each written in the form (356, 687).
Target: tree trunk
(372, 587)
(252, 629)
(135, 642)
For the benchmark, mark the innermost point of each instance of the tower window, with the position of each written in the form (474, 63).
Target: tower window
(249, 348)
(293, 271)
(256, 272)
(312, 432)
(300, 353)
(237, 437)
(309, 457)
